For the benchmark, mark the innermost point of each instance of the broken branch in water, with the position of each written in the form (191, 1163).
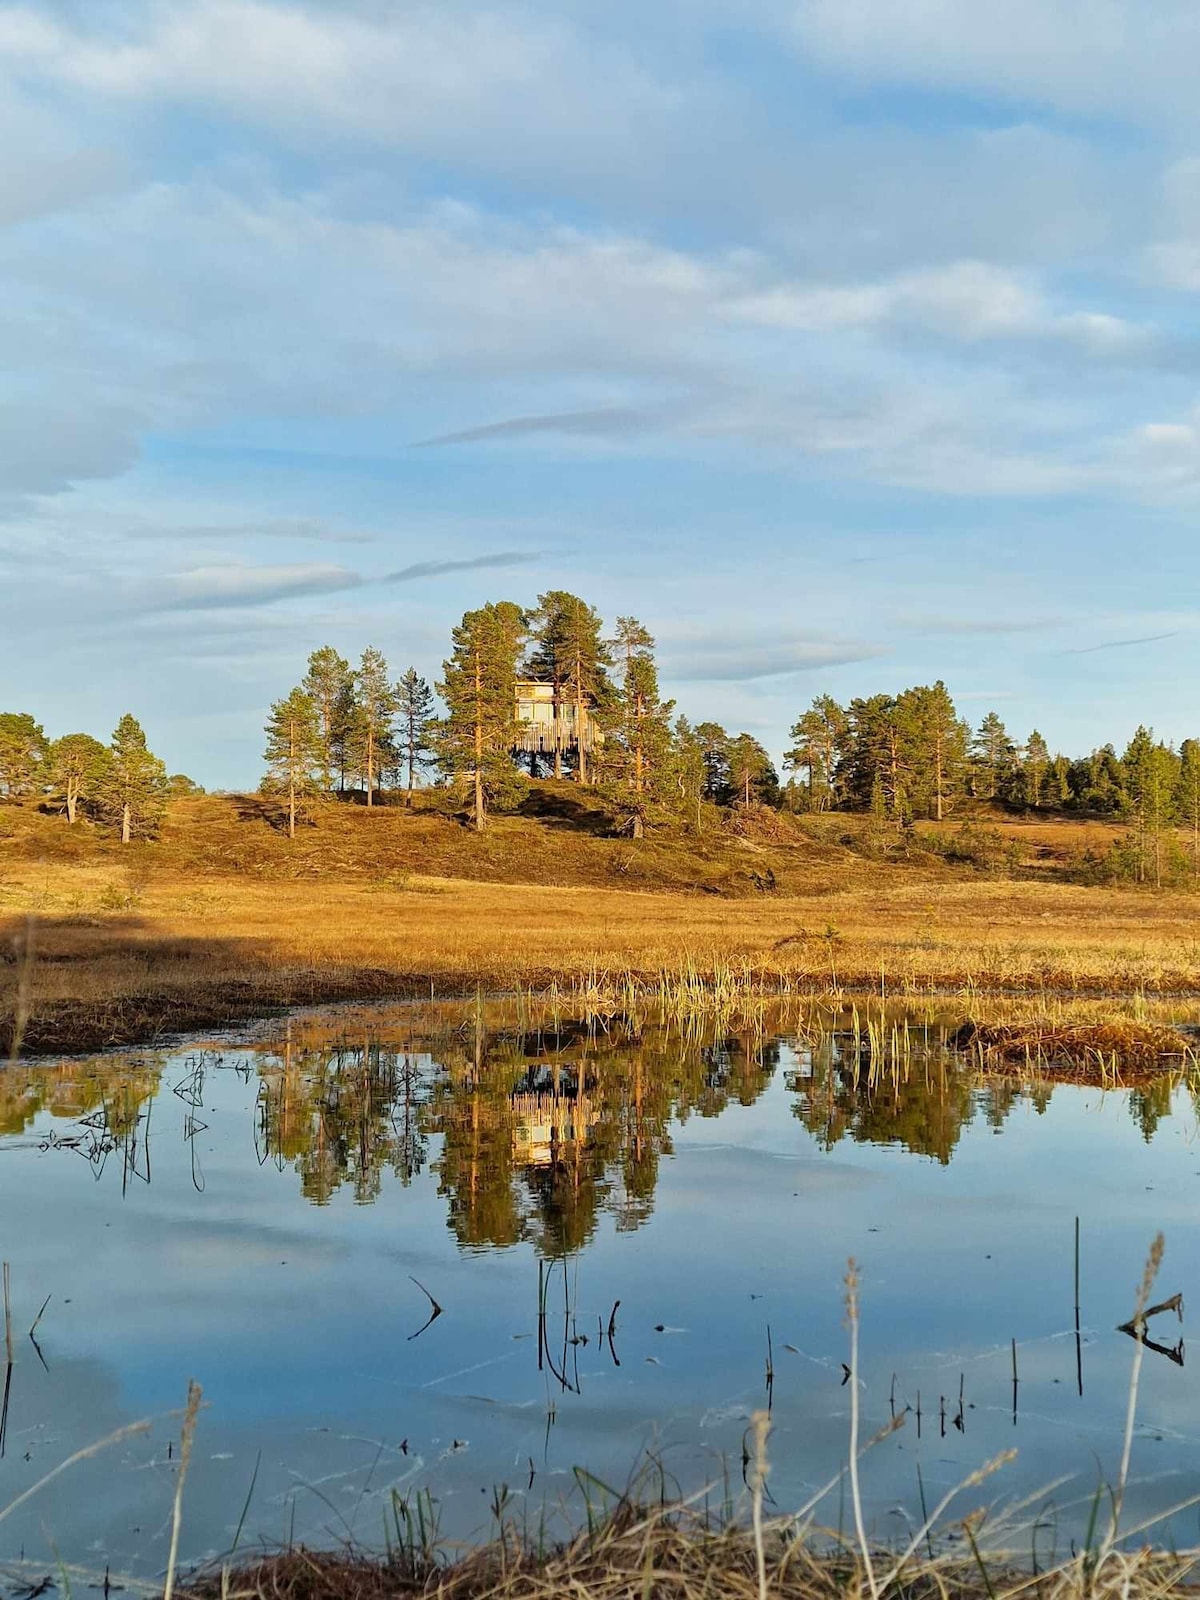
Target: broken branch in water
(1137, 1322)
(434, 1313)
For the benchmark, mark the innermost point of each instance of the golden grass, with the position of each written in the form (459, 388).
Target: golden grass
(649, 1555)
(132, 945)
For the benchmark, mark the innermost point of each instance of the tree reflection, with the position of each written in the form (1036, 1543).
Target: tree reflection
(923, 1102)
(532, 1134)
(343, 1114)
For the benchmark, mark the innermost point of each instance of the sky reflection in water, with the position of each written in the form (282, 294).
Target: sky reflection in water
(256, 1217)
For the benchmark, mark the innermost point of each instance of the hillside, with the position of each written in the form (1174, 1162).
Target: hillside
(222, 917)
(560, 838)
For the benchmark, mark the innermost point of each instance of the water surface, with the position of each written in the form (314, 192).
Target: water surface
(276, 1220)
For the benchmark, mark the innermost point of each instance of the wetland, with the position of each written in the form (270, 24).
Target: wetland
(491, 1260)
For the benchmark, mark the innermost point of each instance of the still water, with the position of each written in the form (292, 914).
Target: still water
(277, 1219)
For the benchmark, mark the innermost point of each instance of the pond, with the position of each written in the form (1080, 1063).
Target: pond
(454, 1250)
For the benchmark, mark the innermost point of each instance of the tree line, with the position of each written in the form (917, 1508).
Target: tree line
(900, 758)
(355, 731)
(349, 730)
(121, 783)
(910, 756)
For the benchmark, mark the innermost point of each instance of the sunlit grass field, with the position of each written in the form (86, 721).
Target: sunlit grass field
(220, 917)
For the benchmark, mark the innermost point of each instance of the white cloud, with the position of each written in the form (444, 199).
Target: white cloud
(1099, 57)
(236, 584)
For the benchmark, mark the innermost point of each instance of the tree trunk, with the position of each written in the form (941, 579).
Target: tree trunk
(938, 778)
(480, 818)
(412, 763)
(292, 808)
(581, 771)
(72, 799)
(558, 732)
(126, 823)
(370, 765)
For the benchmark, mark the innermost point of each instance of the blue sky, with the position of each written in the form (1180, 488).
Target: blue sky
(848, 343)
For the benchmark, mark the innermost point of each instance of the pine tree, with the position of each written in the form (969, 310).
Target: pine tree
(994, 756)
(479, 691)
(569, 653)
(414, 710)
(76, 765)
(714, 746)
(23, 748)
(329, 683)
(297, 750)
(689, 770)
(1151, 782)
(1035, 766)
(876, 763)
(638, 751)
(935, 743)
(819, 738)
(132, 787)
(1187, 796)
(375, 702)
(1060, 781)
(752, 776)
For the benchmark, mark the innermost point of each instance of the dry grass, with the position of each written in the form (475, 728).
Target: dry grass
(134, 945)
(1073, 1045)
(651, 1555)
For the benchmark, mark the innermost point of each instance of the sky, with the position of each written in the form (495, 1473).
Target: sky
(848, 344)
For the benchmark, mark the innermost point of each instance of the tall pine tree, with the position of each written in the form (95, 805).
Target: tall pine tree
(296, 751)
(638, 750)
(994, 757)
(132, 787)
(375, 702)
(414, 714)
(818, 742)
(76, 765)
(478, 688)
(569, 653)
(329, 683)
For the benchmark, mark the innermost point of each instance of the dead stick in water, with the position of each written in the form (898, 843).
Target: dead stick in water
(8, 1345)
(1140, 1318)
(40, 1314)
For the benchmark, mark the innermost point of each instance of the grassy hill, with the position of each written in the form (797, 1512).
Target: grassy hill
(222, 916)
(560, 837)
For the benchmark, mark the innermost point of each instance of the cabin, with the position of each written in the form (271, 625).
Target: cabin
(540, 732)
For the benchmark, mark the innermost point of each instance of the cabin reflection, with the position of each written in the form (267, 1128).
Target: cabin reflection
(531, 1134)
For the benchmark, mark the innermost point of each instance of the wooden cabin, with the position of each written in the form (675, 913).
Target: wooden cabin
(540, 732)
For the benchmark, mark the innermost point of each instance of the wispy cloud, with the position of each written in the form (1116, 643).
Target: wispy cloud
(609, 422)
(437, 569)
(1120, 644)
(220, 587)
(967, 627)
(730, 661)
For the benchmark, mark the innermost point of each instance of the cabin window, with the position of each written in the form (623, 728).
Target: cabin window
(526, 711)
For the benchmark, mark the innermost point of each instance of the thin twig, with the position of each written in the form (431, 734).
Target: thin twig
(186, 1435)
(855, 1493)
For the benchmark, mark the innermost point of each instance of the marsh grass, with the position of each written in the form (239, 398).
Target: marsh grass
(220, 920)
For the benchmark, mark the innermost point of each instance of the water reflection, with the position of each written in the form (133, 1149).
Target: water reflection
(621, 1218)
(532, 1133)
(537, 1131)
